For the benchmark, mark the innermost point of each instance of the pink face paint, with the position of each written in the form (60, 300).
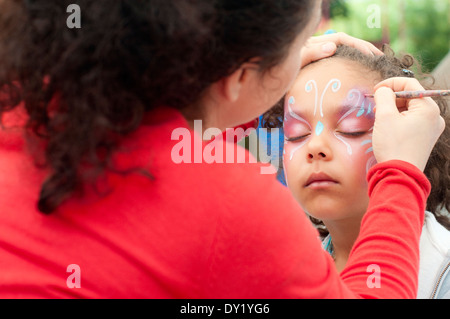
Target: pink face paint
(294, 126)
(353, 100)
(293, 114)
(353, 120)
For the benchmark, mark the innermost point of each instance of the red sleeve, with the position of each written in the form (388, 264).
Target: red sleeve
(234, 135)
(270, 249)
(388, 244)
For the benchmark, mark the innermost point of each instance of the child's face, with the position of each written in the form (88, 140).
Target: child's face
(328, 128)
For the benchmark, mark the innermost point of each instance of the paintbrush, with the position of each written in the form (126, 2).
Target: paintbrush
(418, 94)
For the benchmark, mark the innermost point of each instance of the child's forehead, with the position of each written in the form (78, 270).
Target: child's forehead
(349, 73)
(333, 84)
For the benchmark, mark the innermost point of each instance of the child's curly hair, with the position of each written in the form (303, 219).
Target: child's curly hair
(388, 66)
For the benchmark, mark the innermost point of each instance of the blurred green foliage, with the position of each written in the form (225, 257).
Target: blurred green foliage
(338, 8)
(418, 27)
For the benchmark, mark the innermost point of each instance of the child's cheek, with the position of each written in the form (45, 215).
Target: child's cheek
(294, 128)
(291, 150)
(359, 153)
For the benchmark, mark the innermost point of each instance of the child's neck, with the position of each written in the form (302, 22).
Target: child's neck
(343, 235)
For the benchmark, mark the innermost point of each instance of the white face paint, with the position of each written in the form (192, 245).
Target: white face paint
(372, 160)
(320, 127)
(292, 114)
(329, 130)
(355, 99)
(336, 86)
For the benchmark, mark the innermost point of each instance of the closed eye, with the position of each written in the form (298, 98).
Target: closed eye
(297, 138)
(352, 134)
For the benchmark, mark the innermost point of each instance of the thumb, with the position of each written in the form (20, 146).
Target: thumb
(385, 101)
(317, 51)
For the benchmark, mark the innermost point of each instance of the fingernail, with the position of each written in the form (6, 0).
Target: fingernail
(328, 47)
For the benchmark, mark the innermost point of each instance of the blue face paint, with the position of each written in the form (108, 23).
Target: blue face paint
(291, 100)
(361, 111)
(370, 109)
(319, 128)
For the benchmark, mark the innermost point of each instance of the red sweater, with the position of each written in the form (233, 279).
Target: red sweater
(195, 230)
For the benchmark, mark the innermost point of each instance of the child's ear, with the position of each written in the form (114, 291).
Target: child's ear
(233, 84)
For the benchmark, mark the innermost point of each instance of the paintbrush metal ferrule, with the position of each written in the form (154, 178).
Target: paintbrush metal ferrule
(418, 94)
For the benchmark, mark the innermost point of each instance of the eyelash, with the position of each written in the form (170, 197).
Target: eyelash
(297, 139)
(348, 134)
(353, 134)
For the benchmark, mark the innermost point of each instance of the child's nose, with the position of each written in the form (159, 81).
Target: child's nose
(319, 155)
(319, 148)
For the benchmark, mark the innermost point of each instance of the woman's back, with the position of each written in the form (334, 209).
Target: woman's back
(151, 237)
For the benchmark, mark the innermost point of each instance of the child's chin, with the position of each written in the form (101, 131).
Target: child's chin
(325, 210)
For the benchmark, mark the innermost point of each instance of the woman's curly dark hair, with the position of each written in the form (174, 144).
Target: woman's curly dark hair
(85, 88)
(388, 66)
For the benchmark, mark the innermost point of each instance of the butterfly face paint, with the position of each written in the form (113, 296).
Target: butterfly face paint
(328, 129)
(359, 110)
(311, 85)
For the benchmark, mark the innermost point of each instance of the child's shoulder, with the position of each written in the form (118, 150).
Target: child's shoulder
(434, 273)
(437, 235)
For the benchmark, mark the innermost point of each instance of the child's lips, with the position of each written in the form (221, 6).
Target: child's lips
(320, 180)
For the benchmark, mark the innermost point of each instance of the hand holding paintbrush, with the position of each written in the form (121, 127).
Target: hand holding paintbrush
(416, 123)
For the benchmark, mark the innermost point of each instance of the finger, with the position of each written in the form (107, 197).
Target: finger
(345, 39)
(385, 102)
(317, 51)
(401, 84)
